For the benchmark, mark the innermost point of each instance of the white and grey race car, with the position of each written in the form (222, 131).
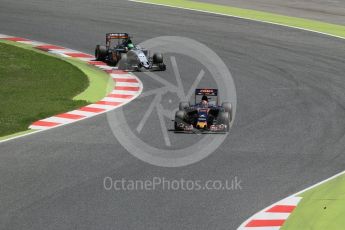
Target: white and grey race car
(128, 56)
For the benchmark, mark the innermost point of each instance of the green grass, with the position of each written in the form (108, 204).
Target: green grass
(322, 207)
(323, 27)
(35, 86)
(100, 84)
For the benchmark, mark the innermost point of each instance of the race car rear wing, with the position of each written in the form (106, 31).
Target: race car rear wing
(206, 92)
(110, 36)
(117, 36)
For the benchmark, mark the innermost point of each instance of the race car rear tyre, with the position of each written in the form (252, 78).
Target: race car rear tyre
(183, 105)
(157, 58)
(228, 108)
(224, 118)
(180, 117)
(100, 53)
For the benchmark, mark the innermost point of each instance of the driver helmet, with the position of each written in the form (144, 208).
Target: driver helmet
(130, 46)
(204, 101)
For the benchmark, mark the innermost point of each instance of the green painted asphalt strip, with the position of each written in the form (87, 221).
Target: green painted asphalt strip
(100, 84)
(12, 136)
(322, 207)
(299, 23)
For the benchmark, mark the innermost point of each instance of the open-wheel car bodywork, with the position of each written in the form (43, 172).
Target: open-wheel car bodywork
(120, 51)
(207, 116)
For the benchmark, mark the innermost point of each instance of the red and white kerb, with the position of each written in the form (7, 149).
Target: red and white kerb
(127, 86)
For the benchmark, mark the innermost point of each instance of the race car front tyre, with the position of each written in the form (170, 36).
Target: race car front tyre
(183, 105)
(224, 118)
(157, 58)
(228, 108)
(100, 53)
(180, 117)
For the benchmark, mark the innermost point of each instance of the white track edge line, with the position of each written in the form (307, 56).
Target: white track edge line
(273, 23)
(239, 17)
(234, 16)
(242, 226)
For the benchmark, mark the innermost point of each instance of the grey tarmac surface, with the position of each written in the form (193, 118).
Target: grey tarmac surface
(332, 11)
(288, 133)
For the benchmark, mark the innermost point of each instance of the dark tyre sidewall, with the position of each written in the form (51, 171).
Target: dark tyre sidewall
(183, 105)
(180, 116)
(158, 58)
(97, 53)
(227, 107)
(100, 52)
(224, 118)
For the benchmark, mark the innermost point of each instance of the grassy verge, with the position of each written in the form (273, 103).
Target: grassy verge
(322, 207)
(100, 84)
(34, 85)
(322, 27)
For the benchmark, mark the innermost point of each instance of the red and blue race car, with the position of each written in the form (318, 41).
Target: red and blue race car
(205, 116)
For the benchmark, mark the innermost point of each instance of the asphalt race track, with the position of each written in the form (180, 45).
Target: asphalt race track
(288, 133)
(331, 11)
